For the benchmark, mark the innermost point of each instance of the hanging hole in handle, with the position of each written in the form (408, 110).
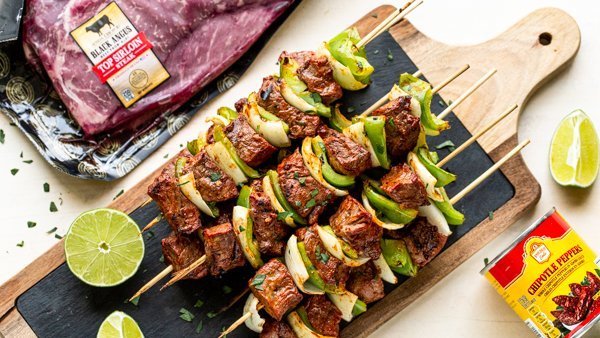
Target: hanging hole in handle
(545, 38)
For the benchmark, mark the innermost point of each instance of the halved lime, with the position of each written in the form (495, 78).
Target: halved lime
(119, 325)
(574, 151)
(104, 247)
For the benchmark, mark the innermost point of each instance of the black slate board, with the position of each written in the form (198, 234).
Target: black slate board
(61, 306)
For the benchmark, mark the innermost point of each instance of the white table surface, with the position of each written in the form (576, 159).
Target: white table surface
(462, 304)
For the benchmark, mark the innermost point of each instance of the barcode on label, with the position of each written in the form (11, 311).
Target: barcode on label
(127, 94)
(535, 329)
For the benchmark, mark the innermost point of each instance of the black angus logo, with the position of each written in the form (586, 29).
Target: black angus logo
(96, 27)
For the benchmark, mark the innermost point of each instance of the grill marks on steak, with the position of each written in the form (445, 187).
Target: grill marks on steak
(404, 186)
(252, 148)
(275, 289)
(307, 196)
(181, 251)
(345, 156)
(196, 42)
(223, 251)
(365, 282)
(323, 315)
(213, 183)
(352, 223)
(330, 269)
(270, 233)
(401, 128)
(270, 98)
(181, 214)
(276, 329)
(316, 72)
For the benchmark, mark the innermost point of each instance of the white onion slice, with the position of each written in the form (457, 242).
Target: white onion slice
(273, 131)
(267, 187)
(415, 106)
(293, 99)
(239, 218)
(385, 225)
(187, 184)
(334, 247)
(300, 329)
(255, 322)
(345, 303)
(428, 180)
(218, 152)
(313, 163)
(296, 267)
(341, 73)
(384, 270)
(435, 217)
(356, 132)
(218, 119)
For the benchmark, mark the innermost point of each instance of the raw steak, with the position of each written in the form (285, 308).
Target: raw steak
(196, 40)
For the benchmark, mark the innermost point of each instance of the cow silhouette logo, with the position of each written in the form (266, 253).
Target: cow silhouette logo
(97, 26)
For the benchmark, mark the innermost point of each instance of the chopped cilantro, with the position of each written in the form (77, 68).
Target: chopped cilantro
(298, 203)
(441, 103)
(118, 194)
(241, 228)
(215, 176)
(53, 207)
(486, 261)
(28, 161)
(226, 289)
(199, 327)
(390, 56)
(311, 203)
(211, 314)
(161, 259)
(302, 180)
(281, 216)
(184, 183)
(57, 236)
(350, 109)
(198, 304)
(21, 244)
(376, 51)
(296, 176)
(258, 280)
(52, 230)
(2, 136)
(186, 315)
(314, 193)
(150, 234)
(21, 155)
(14, 171)
(446, 144)
(46, 187)
(166, 156)
(135, 301)
(31, 224)
(491, 215)
(322, 256)
(391, 122)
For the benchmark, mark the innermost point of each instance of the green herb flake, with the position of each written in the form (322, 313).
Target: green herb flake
(14, 171)
(57, 236)
(215, 176)
(28, 161)
(314, 193)
(199, 303)
(227, 289)
(241, 228)
(211, 314)
(374, 15)
(166, 156)
(21, 155)
(296, 176)
(441, 103)
(302, 180)
(118, 194)
(446, 144)
(390, 56)
(258, 280)
(2, 136)
(186, 315)
(391, 122)
(376, 51)
(311, 203)
(135, 301)
(46, 187)
(184, 183)
(150, 234)
(21, 244)
(31, 224)
(51, 231)
(491, 215)
(351, 109)
(486, 261)
(199, 327)
(161, 259)
(53, 207)
(298, 203)
(322, 256)
(281, 216)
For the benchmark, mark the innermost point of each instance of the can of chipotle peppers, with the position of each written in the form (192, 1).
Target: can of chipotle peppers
(550, 277)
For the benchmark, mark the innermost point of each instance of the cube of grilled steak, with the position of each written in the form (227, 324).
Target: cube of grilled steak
(270, 98)
(181, 214)
(330, 269)
(401, 128)
(181, 251)
(270, 233)
(355, 226)
(250, 146)
(423, 241)
(307, 196)
(403, 185)
(239, 104)
(345, 156)
(316, 72)
(213, 183)
(223, 251)
(276, 329)
(365, 282)
(323, 315)
(275, 289)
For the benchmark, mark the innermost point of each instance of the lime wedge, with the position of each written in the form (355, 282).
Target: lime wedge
(104, 247)
(574, 151)
(119, 325)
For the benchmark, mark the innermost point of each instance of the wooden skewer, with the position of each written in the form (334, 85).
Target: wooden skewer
(418, 73)
(378, 30)
(466, 94)
(489, 172)
(184, 272)
(239, 322)
(476, 136)
(382, 24)
(153, 281)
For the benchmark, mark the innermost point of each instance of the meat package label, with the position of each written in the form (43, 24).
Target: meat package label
(121, 56)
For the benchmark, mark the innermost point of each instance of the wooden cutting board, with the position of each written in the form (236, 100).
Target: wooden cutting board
(526, 56)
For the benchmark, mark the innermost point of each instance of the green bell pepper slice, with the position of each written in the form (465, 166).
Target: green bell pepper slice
(274, 177)
(227, 113)
(330, 175)
(288, 68)
(375, 129)
(453, 216)
(219, 136)
(179, 166)
(244, 196)
(343, 48)
(397, 257)
(421, 91)
(338, 121)
(301, 311)
(313, 273)
(359, 307)
(390, 209)
(443, 177)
